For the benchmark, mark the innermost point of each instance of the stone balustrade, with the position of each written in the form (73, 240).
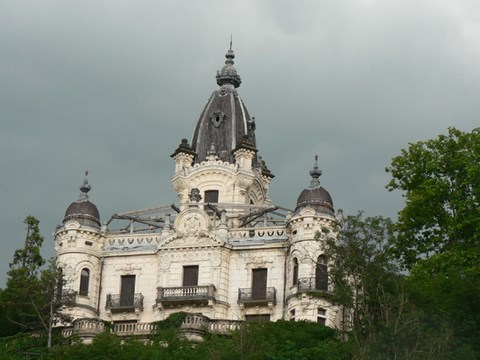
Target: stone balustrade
(126, 329)
(223, 327)
(194, 327)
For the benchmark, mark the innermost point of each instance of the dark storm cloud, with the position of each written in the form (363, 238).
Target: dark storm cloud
(112, 86)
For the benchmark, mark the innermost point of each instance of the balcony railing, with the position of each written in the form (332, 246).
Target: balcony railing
(171, 296)
(119, 303)
(257, 297)
(308, 284)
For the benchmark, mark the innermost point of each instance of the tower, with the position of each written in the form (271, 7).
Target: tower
(222, 162)
(78, 243)
(312, 223)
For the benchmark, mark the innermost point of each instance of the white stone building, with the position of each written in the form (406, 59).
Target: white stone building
(225, 251)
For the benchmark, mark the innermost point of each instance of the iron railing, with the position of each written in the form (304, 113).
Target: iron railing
(305, 284)
(117, 302)
(250, 296)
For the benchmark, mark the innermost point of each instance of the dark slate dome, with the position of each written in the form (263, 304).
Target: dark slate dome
(315, 196)
(225, 121)
(82, 210)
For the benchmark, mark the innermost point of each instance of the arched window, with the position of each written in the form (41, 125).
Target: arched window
(84, 281)
(321, 273)
(295, 271)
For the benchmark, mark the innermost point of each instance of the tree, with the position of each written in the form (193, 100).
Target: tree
(28, 260)
(384, 322)
(23, 283)
(440, 179)
(30, 303)
(439, 232)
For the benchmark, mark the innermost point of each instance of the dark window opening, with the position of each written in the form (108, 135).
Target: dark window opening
(292, 315)
(259, 284)
(127, 290)
(84, 282)
(321, 274)
(190, 275)
(211, 196)
(258, 318)
(295, 271)
(321, 316)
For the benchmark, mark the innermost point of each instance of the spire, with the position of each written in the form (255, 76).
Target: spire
(228, 74)
(315, 174)
(84, 188)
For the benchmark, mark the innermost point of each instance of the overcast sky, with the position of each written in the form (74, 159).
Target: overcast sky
(113, 86)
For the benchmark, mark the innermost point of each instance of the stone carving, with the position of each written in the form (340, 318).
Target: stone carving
(194, 195)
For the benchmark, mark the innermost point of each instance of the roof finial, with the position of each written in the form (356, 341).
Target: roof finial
(228, 74)
(315, 174)
(84, 188)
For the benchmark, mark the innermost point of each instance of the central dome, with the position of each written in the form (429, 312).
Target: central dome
(225, 121)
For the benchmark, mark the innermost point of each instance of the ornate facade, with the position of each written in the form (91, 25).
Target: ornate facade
(225, 253)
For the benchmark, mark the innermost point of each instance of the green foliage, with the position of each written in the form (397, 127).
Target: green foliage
(266, 341)
(440, 179)
(28, 302)
(278, 340)
(439, 233)
(28, 259)
(21, 346)
(24, 289)
(384, 322)
(362, 264)
(447, 287)
(173, 321)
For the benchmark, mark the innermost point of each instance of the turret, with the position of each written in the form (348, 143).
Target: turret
(307, 265)
(78, 242)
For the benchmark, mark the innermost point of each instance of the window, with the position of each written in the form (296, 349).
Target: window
(292, 315)
(321, 316)
(127, 290)
(259, 284)
(321, 274)
(84, 282)
(190, 275)
(295, 271)
(211, 196)
(258, 318)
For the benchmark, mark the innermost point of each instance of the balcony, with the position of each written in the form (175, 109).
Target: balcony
(258, 297)
(308, 284)
(182, 295)
(117, 303)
